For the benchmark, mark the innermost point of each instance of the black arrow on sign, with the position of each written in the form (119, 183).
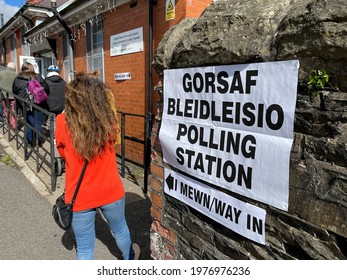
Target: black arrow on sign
(170, 182)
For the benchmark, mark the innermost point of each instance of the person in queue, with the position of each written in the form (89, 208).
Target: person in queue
(33, 116)
(57, 85)
(88, 130)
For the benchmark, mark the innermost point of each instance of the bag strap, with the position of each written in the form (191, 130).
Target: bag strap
(79, 183)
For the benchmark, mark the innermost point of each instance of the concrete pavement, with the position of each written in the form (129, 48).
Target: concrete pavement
(27, 229)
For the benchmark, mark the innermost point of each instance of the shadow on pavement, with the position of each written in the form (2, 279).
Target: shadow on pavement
(139, 224)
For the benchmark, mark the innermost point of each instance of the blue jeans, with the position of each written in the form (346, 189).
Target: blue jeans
(83, 225)
(31, 119)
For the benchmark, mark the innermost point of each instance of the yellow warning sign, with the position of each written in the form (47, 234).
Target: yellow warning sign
(170, 9)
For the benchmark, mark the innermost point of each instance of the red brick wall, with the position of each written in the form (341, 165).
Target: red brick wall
(60, 58)
(196, 7)
(80, 63)
(183, 9)
(19, 50)
(163, 239)
(130, 95)
(8, 50)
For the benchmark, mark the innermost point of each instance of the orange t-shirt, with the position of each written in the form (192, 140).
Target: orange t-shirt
(101, 183)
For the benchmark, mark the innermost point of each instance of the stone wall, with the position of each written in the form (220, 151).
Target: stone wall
(235, 32)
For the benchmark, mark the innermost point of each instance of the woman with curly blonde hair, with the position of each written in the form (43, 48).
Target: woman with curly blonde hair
(88, 130)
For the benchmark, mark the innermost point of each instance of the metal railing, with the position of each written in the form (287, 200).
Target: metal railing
(137, 140)
(45, 155)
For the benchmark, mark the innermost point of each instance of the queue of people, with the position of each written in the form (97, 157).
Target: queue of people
(87, 129)
(53, 85)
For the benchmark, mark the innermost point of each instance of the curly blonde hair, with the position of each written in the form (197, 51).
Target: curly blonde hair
(91, 115)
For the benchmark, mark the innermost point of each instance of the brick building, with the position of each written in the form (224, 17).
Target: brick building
(117, 38)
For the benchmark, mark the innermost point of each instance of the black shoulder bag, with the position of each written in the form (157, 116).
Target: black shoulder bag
(62, 212)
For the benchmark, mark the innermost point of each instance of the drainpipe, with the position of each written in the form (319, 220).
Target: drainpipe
(67, 29)
(150, 55)
(149, 99)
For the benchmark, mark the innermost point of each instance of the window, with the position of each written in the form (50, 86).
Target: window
(95, 47)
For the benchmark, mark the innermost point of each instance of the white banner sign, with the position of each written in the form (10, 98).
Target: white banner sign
(233, 126)
(127, 42)
(243, 218)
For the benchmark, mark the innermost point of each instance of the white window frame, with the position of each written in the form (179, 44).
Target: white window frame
(39, 64)
(95, 48)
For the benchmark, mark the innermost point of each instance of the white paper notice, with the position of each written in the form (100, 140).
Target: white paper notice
(241, 217)
(232, 126)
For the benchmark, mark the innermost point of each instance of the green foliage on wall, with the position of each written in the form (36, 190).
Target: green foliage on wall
(318, 80)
